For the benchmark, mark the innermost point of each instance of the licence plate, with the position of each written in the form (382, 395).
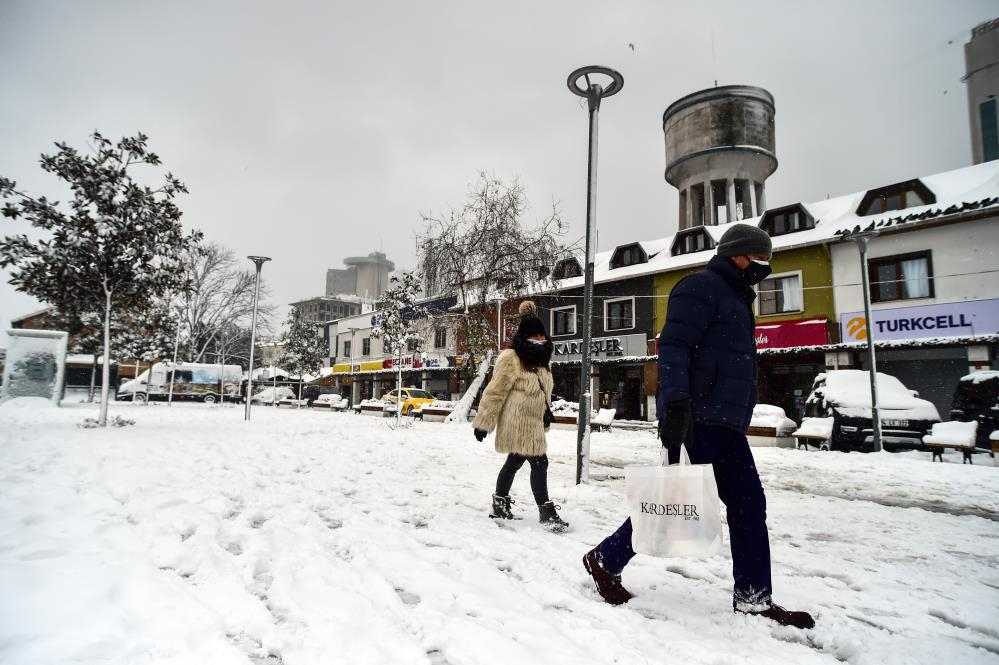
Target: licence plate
(896, 423)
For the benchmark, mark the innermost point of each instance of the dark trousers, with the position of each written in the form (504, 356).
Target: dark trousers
(739, 488)
(539, 476)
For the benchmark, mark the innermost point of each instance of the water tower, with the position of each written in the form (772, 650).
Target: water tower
(719, 153)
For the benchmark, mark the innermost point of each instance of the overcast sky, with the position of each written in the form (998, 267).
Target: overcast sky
(310, 132)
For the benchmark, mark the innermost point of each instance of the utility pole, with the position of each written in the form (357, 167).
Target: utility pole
(862, 238)
(258, 261)
(593, 93)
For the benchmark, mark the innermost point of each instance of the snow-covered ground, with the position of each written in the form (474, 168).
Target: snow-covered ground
(317, 537)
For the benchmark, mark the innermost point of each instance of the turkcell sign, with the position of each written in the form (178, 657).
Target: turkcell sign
(971, 318)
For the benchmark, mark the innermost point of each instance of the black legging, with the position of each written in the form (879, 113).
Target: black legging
(539, 476)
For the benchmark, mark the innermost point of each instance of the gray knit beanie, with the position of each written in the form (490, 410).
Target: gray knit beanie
(745, 240)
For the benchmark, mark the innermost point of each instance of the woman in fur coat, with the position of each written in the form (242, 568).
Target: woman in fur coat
(514, 404)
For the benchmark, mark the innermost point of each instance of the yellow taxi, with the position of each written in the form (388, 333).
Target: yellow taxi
(411, 397)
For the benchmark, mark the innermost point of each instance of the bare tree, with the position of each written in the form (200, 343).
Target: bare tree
(484, 250)
(220, 300)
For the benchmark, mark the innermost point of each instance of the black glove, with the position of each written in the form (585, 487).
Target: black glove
(480, 434)
(674, 426)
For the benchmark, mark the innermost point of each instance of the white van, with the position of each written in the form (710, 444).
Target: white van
(191, 381)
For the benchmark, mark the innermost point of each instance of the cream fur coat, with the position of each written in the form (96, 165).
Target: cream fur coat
(514, 405)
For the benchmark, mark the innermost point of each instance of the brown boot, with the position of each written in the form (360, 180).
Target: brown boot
(784, 617)
(608, 586)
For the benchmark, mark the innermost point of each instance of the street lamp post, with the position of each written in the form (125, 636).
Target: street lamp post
(499, 325)
(352, 389)
(593, 92)
(862, 238)
(258, 261)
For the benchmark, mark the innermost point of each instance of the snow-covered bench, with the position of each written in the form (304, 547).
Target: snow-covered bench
(770, 426)
(331, 402)
(437, 411)
(814, 431)
(370, 407)
(954, 434)
(292, 403)
(567, 413)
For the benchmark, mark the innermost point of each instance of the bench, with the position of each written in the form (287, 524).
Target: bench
(292, 403)
(938, 448)
(433, 415)
(817, 440)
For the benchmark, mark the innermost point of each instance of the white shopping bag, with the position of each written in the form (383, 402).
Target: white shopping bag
(674, 509)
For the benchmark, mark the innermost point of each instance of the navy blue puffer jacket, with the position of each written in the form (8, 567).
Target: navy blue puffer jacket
(707, 347)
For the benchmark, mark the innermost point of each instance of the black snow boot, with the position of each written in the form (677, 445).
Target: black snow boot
(608, 586)
(548, 516)
(784, 617)
(501, 508)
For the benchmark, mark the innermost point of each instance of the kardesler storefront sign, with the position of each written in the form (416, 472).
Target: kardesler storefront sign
(784, 334)
(969, 318)
(601, 347)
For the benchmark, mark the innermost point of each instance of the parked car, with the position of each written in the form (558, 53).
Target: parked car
(411, 397)
(976, 397)
(267, 395)
(845, 395)
(312, 392)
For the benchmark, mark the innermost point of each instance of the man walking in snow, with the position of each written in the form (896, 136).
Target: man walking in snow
(707, 391)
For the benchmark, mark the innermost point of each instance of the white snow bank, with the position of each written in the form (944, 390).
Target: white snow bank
(442, 404)
(820, 427)
(196, 537)
(953, 433)
(768, 415)
(994, 436)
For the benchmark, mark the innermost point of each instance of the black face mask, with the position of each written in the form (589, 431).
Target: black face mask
(755, 272)
(533, 355)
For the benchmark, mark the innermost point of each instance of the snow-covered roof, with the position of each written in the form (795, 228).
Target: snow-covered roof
(39, 312)
(957, 191)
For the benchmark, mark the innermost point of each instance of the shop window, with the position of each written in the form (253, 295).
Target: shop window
(440, 338)
(366, 346)
(690, 241)
(697, 206)
(564, 321)
(566, 269)
(899, 196)
(619, 314)
(780, 294)
(901, 277)
(990, 130)
(789, 219)
(628, 255)
(719, 199)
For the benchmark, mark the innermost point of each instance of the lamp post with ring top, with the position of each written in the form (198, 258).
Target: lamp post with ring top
(593, 93)
(258, 261)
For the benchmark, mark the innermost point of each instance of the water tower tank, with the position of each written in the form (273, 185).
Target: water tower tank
(719, 153)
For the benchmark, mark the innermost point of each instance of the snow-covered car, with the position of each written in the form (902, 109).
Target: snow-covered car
(267, 395)
(976, 398)
(845, 396)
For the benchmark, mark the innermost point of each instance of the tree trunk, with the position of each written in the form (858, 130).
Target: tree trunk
(106, 370)
(93, 380)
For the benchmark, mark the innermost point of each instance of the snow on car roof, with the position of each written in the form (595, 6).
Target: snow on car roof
(852, 388)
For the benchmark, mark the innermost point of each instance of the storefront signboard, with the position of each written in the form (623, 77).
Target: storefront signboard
(601, 348)
(970, 318)
(784, 334)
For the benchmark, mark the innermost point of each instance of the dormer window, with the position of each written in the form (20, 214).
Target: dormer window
(628, 255)
(899, 196)
(566, 269)
(789, 219)
(691, 240)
